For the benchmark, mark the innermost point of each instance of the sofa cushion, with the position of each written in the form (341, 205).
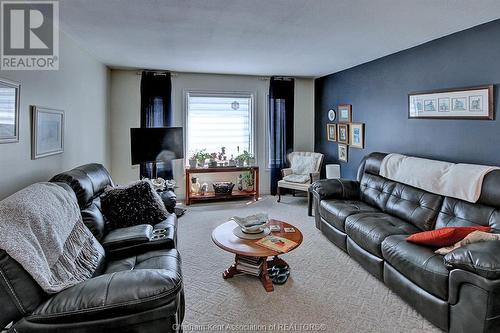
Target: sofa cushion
(459, 213)
(418, 263)
(334, 212)
(368, 230)
(136, 203)
(375, 190)
(414, 205)
(130, 285)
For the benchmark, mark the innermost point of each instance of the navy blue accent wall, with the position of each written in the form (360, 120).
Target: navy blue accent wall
(378, 92)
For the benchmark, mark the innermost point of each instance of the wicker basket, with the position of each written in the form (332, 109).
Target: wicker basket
(223, 188)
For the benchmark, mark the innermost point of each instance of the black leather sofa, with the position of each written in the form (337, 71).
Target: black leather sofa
(370, 218)
(138, 286)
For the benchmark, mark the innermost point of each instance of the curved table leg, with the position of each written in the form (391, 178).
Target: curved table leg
(230, 272)
(264, 278)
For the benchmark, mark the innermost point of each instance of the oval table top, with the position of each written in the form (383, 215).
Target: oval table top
(224, 238)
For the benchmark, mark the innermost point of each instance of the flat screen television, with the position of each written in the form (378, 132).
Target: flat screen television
(159, 144)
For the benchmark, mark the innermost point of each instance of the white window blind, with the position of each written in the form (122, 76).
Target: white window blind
(221, 120)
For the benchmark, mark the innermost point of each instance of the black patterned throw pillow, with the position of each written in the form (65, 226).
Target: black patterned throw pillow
(136, 203)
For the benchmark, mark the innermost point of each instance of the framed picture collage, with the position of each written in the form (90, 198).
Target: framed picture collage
(345, 132)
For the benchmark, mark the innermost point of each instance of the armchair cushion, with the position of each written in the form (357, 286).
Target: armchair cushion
(480, 258)
(341, 189)
(303, 165)
(297, 178)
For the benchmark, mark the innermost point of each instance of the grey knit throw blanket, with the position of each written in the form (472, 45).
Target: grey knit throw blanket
(42, 229)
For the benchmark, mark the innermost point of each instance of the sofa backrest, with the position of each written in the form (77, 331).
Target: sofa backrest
(416, 206)
(88, 182)
(426, 210)
(485, 212)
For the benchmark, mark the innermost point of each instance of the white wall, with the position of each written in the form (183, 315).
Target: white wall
(125, 106)
(80, 88)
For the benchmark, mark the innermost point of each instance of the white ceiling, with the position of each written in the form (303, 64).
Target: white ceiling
(262, 37)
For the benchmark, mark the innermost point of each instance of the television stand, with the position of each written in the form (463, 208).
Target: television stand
(210, 195)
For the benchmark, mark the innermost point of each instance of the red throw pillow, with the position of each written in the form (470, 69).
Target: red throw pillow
(444, 236)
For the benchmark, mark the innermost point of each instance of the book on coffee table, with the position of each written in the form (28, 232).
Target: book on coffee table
(278, 244)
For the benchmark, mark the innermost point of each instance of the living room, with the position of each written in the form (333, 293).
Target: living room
(249, 166)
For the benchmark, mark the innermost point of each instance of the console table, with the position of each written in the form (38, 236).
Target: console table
(210, 195)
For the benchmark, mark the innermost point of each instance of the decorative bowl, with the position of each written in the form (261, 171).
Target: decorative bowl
(252, 224)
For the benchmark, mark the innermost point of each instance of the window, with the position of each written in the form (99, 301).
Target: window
(220, 120)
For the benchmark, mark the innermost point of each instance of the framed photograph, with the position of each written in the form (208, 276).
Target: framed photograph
(342, 151)
(357, 138)
(47, 132)
(458, 103)
(343, 133)
(344, 113)
(9, 111)
(331, 132)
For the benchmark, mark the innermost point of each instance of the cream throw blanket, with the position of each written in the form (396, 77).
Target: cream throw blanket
(461, 181)
(42, 229)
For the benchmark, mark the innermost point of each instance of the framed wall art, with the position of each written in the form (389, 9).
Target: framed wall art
(357, 135)
(459, 103)
(342, 152)
(343, 133)
(331, 132)
(47, 132)
(9, 111)
(344, 112)
(332, 115)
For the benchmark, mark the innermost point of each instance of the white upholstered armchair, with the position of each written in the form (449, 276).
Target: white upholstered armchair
(304, 170)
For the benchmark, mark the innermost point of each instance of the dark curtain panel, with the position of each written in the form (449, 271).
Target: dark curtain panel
(281, 92)
(156, 111)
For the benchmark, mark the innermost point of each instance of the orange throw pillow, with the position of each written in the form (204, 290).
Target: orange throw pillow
(444, 236)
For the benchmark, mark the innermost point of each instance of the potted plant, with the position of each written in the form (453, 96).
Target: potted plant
(193, 161)
(245, 158)
(213, 162)
(201, 156)
(248, 181)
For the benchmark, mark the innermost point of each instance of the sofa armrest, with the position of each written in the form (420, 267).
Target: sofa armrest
(335, 189)
(479, 258)
(123, 237)
(285, 172)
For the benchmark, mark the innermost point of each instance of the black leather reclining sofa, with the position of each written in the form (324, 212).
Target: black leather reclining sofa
(137, 287)
(370, 218)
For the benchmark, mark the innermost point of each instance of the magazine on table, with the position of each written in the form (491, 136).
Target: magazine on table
(278, 244)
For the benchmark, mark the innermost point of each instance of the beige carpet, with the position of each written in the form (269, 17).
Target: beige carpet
(326, 288)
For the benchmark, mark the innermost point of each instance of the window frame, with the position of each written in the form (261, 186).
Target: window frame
(221, 93)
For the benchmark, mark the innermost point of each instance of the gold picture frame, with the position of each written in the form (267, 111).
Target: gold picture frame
(344, 113)
(343, 152)
(343, 133)
(357, 135)
(331, 132)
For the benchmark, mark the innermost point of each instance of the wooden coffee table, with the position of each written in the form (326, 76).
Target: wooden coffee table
(224, 238)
